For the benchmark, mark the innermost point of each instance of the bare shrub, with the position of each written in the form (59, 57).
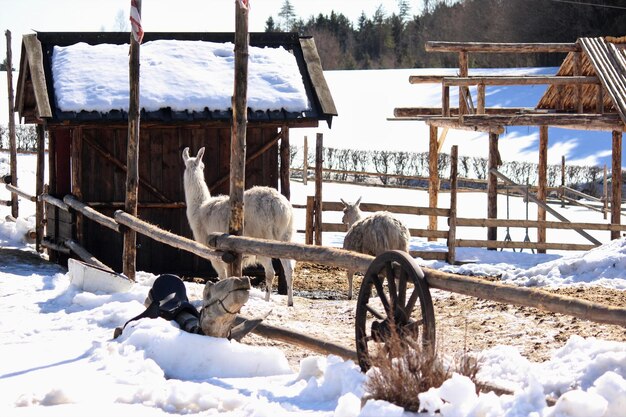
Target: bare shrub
(403, 369)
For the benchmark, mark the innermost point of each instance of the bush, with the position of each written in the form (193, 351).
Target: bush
(25, 137)
(403, 369)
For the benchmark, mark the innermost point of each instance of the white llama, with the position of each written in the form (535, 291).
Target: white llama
(373, 234)
(267, 215)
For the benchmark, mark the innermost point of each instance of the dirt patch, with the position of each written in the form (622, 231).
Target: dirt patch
(462, 322)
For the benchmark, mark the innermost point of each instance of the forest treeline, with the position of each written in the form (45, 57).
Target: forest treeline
(396, 38)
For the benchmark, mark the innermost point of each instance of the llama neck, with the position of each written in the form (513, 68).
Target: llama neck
(196, 190)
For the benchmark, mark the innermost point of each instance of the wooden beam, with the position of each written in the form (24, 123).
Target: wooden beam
(453, 123)
(593, 121)
(440, 46)
(90, 213)
(507, 244)
(454, 111)
(520, 80)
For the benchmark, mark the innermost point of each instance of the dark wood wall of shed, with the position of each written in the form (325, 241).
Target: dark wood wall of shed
(161, 165)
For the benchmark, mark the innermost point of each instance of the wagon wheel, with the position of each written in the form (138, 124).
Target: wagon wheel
(402, 305)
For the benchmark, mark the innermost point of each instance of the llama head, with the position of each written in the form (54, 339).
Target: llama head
(193, 162)
(351, 212)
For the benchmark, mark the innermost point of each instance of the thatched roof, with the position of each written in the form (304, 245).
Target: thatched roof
(598, 57)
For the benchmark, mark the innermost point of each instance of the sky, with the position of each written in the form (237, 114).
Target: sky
(23, 16)
(59, 357)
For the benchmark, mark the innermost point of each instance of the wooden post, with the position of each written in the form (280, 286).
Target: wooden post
(481, 99)
(616, 179)
(492, 185)
(310, 214)
(454, 171)
(129, 255)
(76, 178)
(39, 182)
(463, 91)
(285, 163)
(543, 183)
(562, 181)
(305, 161)
(433, 182)
(445, 101)
(605, 194)
(238, 132)
(319, 169)
(12, 141)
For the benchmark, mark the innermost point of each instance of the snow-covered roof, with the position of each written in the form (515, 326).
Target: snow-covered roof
(181, 77)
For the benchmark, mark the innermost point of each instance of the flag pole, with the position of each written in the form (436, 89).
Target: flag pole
(129, 255)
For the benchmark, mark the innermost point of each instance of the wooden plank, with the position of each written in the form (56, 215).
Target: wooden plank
(34, 54)
(454, 111)
(314, 67)
(499, 244)
(467, 222)
(499, 47)
(520, 80)
(580, 121)
(454, 123)
(12, 137)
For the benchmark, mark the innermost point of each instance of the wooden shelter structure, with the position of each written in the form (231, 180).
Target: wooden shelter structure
(587, 93)
(87, 150)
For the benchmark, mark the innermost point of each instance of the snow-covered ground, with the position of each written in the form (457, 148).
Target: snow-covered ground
(59, 358)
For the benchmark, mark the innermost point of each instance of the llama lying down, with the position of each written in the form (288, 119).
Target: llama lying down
(267, 215)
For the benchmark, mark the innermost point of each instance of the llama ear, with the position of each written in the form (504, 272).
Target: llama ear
(200, 153)
(185, 154)
(344, 203)
(358, 201)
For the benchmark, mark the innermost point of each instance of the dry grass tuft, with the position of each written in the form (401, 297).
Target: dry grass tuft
(403, 369)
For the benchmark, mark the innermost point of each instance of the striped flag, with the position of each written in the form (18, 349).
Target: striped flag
(135, 21)
(244, 4)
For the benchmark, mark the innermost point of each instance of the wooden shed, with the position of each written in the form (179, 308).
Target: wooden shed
(87, 149)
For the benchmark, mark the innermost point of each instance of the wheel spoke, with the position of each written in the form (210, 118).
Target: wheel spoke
(381, 293)
(391, 283)
(374, 312)
(410, 305)
(402, 287)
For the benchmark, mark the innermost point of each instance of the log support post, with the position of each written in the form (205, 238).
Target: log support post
(76, 179)
(433, 182)
(285, 163)
(454, 170)
(463, 91)
(12, 138)
(317, 203)
(542, 186)
(616, 179)
(562, 192)
(238, 132)
(305, 161)
(129, 254)
(492, 185)
(39, 183)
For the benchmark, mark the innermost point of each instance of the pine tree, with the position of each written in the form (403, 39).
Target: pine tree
(288, 15)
